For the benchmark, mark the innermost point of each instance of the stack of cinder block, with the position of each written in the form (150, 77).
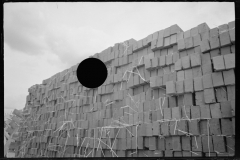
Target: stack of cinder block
(170, 94)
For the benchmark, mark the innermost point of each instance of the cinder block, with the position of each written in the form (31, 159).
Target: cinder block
(226, 109)
(149, 130)
(214, 127)
(188, 42)
(176, 113)
(186, 62)
(169, 59)
(181, 44)
(182, 53)
(152, 143)
(166, 32)
(205, 46)
(209, 95)
(187, 34)
(207, 143)
(188, 74)
(173, 39)
(205, 35)
(188, 99)
(197, 72)
(161, 144)
(207, 81)
(197, 40)
(230, 142)
(221, 94)
(176, 144)
(172, 68)
(233, 48)
(186, 143)
(172, 101)
(224, 39)
(203, 127)
(155, 62)
(153, 45)
(232, 35)
(214, 42)
(195, 112)
(217, 79)
(231, 25)
(196, 143)
(229, 61)
(153, 82)
(178, 65)
(229, 77)
(207, 68)
(169, 144)
(215, 110)
(226, 126)
(146, 117)
(214, 32)
(157, 153)
(194, 31)
(162, 61)
(160, 41)
(155, 35)
(156, 128)
(223, 27)
(218, 143)
(233, 125)
(214, 53)
(165, 128)
(188, 85)
(205, 111)
(231, 92)
(197, 49)
(182, 127)
(198, 84)
(177, 154)
(167, 113)
(170, 88)
(179, 87)
(233, 107)
(180, 76)
(175, 56)
(167, 41)
(154, 115)
(195, 59)
(159, 81)
(190, 51)
(194, 127)
(142, 131)
(168, 153)
(225, 50)
(165, 103)
(218, 63)
(180, 100)
(134, 141)
(136, 80)
(172, 129)
(147, 63)
(172, 76)
(205, 58)
(203, 27)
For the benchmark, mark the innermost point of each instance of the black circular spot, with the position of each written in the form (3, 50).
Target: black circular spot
(92, 73)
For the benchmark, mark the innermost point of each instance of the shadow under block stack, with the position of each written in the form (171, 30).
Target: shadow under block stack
(170, 94)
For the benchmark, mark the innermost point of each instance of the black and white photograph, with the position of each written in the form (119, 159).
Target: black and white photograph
(119, 79)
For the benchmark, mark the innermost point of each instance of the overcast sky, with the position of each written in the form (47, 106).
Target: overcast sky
(41, 39)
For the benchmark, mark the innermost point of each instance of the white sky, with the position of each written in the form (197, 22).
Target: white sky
(41, 39)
